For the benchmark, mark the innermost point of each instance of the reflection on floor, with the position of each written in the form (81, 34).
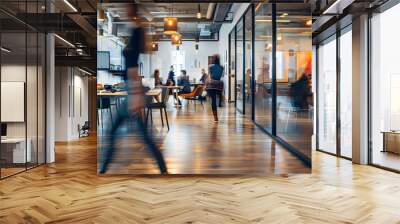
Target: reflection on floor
(295, 126)
(11, 169)
(387, 159)
(197, 145)
(70, 191)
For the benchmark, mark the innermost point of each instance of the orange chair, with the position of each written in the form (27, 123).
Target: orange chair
(194, 96)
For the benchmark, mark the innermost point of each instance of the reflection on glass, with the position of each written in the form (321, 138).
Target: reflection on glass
(346, 94)
(41, 150)
(293, 72)
(232, 66)
(14, 153)
(327, 96)
(239, 66)
(263, 60)
(248, 60)
(385, 85)
(31, 98)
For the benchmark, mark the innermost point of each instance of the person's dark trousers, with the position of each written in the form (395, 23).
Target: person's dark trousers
(213, 95)
(221, 99)
(124, 116)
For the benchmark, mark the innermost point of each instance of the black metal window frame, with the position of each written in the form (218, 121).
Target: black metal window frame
(338, 32)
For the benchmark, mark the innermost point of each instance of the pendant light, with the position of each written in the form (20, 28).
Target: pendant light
(171, 24)
(197, 45)
(154, 46)
(176, 39)
(198, 12)
(101, 15)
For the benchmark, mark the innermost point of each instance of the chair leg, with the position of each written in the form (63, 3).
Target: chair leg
(162, 120)
(166, 117)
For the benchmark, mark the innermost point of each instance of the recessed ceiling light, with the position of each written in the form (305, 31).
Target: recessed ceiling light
(65, 41)
(309, 22)
(70, 5)
(5, 50)
(284, 14)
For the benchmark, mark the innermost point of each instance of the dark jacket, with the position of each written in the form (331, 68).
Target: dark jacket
(184, 81)
(134, 48)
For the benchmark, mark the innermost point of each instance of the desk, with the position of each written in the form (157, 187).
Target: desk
(391, 141)
(15, 148)
(152, 92)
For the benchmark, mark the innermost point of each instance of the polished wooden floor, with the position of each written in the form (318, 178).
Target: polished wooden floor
(70, 191)
(196, 145)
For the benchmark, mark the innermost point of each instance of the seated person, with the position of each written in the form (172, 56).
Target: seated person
(183, 80)
(157, 78)
(204, 76)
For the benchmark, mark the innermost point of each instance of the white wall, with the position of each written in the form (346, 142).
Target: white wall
(71, 102)
(105, 77)
(194, 62)
(223, 43)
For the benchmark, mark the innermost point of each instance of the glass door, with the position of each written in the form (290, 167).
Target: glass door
(239, 67)
(248, 77)
(346, 95)
(327, 93)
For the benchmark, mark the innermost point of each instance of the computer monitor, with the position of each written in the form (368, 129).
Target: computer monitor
(3, 130)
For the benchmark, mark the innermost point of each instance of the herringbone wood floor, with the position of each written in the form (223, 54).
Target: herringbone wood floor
(70, 191)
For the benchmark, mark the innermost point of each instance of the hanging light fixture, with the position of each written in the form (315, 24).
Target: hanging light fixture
(176, 39)
(198, 12)
(197, 45)
(154, 46)
(171, 24)
(101, 15)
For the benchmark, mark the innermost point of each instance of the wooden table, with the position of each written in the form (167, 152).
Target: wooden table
(153, 92)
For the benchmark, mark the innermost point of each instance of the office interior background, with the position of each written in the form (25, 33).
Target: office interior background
(346, 127)
(244, 37)
(325, 124)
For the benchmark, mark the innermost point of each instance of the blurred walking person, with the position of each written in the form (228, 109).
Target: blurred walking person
(135, 102)
(214, 85)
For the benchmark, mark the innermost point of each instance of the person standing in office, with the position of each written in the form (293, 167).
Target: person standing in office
(136, 95)
(214, 85)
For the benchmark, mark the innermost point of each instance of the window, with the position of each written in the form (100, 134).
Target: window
(385, 89)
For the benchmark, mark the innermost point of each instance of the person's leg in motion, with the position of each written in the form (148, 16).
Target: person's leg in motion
(121, 117)
(152, 146)
(213, 95)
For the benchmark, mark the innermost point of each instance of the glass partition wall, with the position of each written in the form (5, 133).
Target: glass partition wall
(294, 112)
(385, 89)
(273, 71)
(263, 60)
(240, 84)
(22, 95)
(248, 73)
